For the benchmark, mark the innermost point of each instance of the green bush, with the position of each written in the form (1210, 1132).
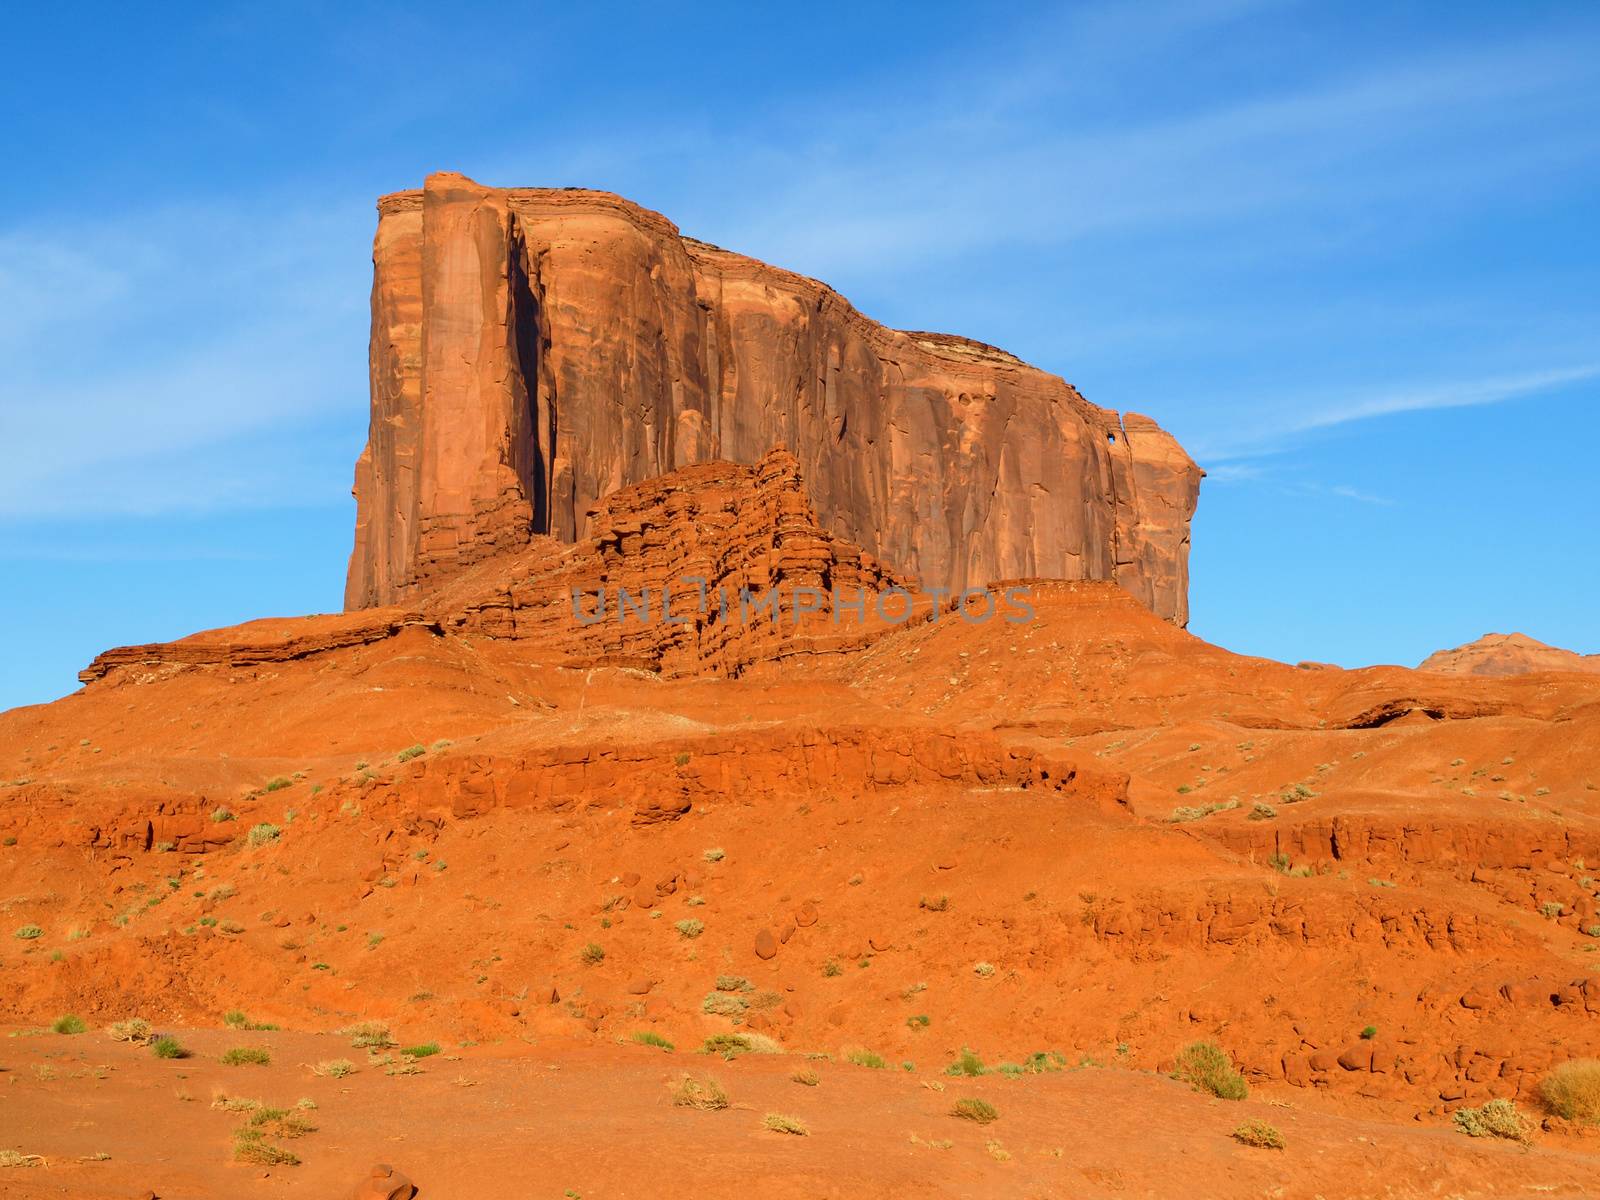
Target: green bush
(168, 1047)
(241, 1056)
(1207, 1068)
(69, 1024)
(967, 1063)
(262, 834)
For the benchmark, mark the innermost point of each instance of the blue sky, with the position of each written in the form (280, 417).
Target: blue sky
(1348, 253)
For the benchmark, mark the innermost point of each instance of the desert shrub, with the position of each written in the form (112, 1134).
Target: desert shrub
(263, 834)
(411, 752)
(728, 1045)
(1572, 1090)
(1262, 812)
(592, 954)
(1188, 812)
(280, 1122)
(938, 904)
(1494, 1118)
(242, 1056)
(705, 1094)
(250, 1147)
(1039, 1062)
(334, 1068)
(919, 1021)
(69, 1024)
(866, 1058)
(168, 1047)
(135, 1030)
(15, 1158)
(973, 1109)
(1259, 1134)
(723, 1004)
(690, 928)
(1207, 1068)
(425, 1050)
(779, 1123)
(806, 1078)
(714, 855)
(222, 814)
(831, 969)
(983, 970)
(648, 1037)
(966, 1063)
(368, 1035)
(734, 983)
(28, 933)
(237, 1020)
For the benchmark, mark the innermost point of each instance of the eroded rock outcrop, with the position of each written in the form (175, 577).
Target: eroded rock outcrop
(1508, 654)
(706, 570)
(536, 349)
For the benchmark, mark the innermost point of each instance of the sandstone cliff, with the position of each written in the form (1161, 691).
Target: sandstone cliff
(536, 349)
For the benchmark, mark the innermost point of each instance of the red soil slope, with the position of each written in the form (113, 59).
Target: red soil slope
(912, 839)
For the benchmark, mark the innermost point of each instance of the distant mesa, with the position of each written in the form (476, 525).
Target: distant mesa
(536, 349)
(1508, 654)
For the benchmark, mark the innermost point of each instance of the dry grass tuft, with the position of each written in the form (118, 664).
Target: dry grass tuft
(973, 1109)
(1572, 1090)
(705, 1094)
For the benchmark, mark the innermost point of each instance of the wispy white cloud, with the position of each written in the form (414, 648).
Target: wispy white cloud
(1293, 419)
(1454, 394)
(155, 358)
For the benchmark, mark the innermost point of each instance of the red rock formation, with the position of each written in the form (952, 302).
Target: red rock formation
(536, 349)
(1508, 654)
(747, 533)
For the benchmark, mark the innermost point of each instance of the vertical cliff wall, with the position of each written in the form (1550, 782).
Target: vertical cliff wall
(535, 349)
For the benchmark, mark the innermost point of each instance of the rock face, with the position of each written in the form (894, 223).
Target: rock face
(536, 349)
(1508, 654)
